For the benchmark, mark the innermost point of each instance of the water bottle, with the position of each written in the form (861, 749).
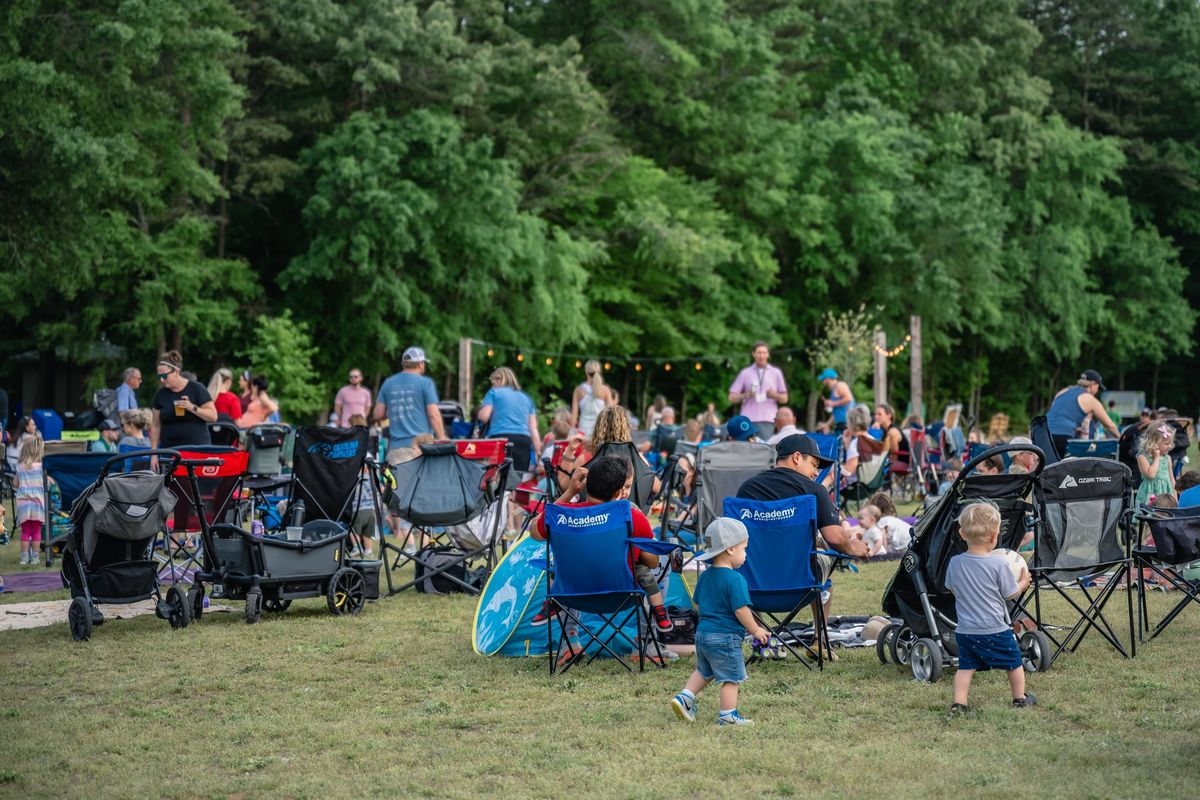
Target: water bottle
(298, 514)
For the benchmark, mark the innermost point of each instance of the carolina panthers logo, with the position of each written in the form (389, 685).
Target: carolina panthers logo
(335, 452)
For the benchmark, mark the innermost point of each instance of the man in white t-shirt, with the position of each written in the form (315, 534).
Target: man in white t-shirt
(785, 425)
(760, 389)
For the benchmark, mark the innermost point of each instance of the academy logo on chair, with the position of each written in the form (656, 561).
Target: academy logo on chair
(754, 515)
(582, 522)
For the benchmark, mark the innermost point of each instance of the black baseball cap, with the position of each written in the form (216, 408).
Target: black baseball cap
(109, 425)
(1094, 377)
(799, 443)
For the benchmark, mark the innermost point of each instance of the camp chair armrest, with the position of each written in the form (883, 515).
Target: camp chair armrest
(654, 546)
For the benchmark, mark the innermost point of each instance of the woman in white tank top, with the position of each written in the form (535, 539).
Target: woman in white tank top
(589, 398)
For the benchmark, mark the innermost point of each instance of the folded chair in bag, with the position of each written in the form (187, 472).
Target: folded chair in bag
(1172, 558)
(442, 489)
(1082, 540)
(592, 588)
(72, 474)
(779, 569)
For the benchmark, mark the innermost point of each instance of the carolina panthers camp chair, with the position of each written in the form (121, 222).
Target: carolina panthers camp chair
(1081, 547)
(592, 586)
(458, 504)
(72, 474)
(779, 568)
(721, 468)
(1173, 560)
(326, 470)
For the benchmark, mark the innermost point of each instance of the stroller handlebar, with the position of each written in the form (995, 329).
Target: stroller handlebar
(171, 456)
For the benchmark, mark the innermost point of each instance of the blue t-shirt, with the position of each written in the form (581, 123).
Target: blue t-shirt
(1190, 497)
(126, 399)
(510, 411)
(719, 593)
(406, 396)
(981, 587)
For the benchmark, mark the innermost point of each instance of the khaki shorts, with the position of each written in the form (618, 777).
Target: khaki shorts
(823, 564)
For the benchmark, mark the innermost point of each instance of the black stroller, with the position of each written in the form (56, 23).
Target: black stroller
(107, 557)
(306, 559)
(917, 594)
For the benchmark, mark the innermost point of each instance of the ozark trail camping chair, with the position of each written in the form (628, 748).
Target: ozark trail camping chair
(592, 588)
(1081, 541)
(464, 497)
(779, 567)
(1173, 560)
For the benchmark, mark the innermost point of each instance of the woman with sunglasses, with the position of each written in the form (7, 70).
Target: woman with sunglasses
(182, 408)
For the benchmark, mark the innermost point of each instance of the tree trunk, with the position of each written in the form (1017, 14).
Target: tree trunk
(810, 416)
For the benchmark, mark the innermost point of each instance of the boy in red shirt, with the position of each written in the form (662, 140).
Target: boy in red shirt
(611, 478)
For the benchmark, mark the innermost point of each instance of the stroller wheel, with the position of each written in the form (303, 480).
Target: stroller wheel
(177, 608)
(883, 644)
(926, 660)
(196, 602)
(79, 617)
(347, 592)
(1035, 651)
(275, 605)
(253, 606)
(900, 644)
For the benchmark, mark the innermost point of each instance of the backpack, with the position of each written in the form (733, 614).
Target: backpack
(437, 556)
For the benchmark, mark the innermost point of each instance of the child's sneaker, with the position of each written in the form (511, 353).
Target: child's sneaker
(733, 718)
(545, 615)
(959, 710)
(684, 707)
(662, 620)
(1025, 702)
(24, 558)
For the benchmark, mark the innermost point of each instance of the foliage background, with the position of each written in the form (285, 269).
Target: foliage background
(664, 180)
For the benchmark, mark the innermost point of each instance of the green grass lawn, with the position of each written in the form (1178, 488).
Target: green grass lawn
(394, 703)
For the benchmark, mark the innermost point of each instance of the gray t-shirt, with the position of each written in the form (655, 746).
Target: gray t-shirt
(407, 396)
(981, 586)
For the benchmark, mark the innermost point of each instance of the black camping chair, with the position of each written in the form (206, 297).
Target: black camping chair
(1081, 542)
(1176, 536)
(457, 503)
(326, 471)
(642, 493)
(1039, 433)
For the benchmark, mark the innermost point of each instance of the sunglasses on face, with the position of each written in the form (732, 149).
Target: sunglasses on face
(162, 376)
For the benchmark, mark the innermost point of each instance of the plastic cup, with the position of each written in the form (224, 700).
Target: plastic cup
(180, 407)
(293, 533)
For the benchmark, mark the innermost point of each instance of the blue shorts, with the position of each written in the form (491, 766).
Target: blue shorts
(984, 651)
(719, 657)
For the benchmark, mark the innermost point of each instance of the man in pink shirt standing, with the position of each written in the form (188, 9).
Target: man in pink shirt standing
(761, 390)
(353, 398)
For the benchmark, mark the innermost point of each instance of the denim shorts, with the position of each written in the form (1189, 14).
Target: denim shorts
(986, 651)
(719, 657)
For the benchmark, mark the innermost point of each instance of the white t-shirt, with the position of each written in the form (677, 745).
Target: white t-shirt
(899, 532)
(873, 536)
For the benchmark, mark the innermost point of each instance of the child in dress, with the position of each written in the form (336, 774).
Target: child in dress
(30, 500)
(1154, 462)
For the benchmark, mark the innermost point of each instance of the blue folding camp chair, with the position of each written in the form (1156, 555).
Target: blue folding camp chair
(71, 473)
(591, 582)
(779, 568)
(830, 445)
(1099, 448)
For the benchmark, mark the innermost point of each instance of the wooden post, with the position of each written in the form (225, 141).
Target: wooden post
(880, 367)
(914, 366)
(466, 376)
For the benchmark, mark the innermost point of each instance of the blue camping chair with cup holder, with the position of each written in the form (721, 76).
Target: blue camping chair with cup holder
(592, 588)
(779, 570)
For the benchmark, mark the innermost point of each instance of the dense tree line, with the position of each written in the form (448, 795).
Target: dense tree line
(661, 179)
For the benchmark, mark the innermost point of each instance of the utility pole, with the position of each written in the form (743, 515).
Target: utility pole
(914, 366)
(880, 366)
(465, 376)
